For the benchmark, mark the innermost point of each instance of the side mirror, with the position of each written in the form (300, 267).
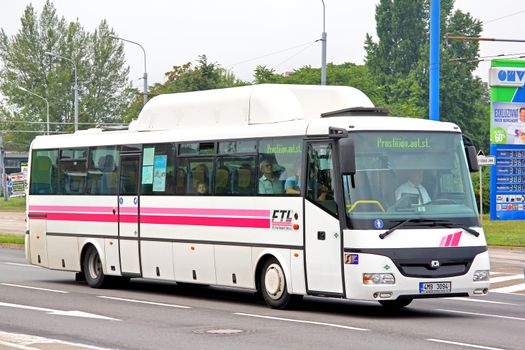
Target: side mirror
(472, 158)
(347, 156)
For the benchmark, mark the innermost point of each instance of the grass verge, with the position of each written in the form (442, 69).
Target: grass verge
(13, 204)
(11, 239)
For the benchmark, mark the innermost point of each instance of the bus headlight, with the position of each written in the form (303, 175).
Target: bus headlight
(481, 275)
(378, 278)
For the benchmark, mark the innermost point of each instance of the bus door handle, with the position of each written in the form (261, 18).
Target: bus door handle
(321, 235)
(114, 211)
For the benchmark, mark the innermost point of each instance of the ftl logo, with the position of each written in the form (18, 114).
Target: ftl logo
(507, 77)
(282, 219)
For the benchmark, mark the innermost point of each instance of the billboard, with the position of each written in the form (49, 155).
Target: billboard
(507, 139)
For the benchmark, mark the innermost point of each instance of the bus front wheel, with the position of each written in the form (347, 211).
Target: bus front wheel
(273, 285)
(93, 271)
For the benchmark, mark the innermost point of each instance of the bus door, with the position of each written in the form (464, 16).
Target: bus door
(323, 238)
(128, 209)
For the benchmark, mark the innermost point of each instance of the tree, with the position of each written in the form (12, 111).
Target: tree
(203, 76)
(399, 62)
(102, 75)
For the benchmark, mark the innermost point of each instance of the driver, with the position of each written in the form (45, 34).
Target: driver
(414, 187)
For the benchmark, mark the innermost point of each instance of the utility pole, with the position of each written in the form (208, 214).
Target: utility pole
(434, 59)
(2, 165)
(323, 54)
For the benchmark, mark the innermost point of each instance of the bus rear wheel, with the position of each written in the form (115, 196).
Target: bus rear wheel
(93, 271)
(273, 285)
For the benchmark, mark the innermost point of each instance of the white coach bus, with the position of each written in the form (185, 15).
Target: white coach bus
(285, 189)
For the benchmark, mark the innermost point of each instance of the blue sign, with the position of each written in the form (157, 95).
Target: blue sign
(378, 224)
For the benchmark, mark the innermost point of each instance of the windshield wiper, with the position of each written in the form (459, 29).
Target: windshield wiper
(450, 224)
(428, 222)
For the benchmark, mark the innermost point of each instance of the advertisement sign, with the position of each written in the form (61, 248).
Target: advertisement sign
(18, 184)
(507, 137)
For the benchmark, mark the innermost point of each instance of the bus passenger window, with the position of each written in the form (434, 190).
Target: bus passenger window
(320, 181)
(43, 168)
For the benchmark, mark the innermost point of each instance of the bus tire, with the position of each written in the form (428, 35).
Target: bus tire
(395, 304)
(273, 285)
(93, 271)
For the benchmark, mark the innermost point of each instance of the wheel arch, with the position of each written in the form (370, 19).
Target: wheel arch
(100, 249)
(284, 260)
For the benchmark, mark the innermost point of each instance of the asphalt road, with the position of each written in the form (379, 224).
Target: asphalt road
(153, 315)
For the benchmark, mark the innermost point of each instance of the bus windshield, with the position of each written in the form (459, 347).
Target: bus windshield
(409, 175)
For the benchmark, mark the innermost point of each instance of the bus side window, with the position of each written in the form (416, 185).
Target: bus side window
(43, 172)
(320, 188)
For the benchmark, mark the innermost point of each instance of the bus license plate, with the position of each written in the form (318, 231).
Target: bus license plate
(434, 287)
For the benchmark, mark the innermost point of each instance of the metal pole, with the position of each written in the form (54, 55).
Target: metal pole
(4, 180)
(434, 59)
(480, 195)
(145, 71)
(75, 88)
(323, 54)
(43, 98)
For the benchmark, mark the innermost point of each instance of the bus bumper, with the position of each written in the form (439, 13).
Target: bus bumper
(371, 279)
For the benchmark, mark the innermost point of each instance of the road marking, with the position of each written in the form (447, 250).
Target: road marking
(301, 321)
(146, 302)
(74, 313)
(509, 289)
(494, 273)
(505, 278)
(464, 344)
(31, 342)
(35, 288)
(487, 315)
(24, 265)
(480, 301)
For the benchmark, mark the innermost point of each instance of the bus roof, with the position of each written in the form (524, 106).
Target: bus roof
(246, 105)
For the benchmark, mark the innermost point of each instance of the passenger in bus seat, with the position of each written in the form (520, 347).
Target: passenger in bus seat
(293, 183)
(202, 188)
(268, 183)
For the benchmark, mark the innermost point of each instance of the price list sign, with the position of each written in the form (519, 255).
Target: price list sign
(509, 184)
(507, 139)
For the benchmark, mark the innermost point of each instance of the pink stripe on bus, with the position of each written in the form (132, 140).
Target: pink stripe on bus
(164, 220)
(205, 221)
(71, 208)
(455, 239)
(449, 239)
(443, 239)
(130, 210)
(207, 211)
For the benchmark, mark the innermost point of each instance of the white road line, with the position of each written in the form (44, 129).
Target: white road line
(301, 321)
(464, 344)
(35, 288)
(24, 265)
(494, 273)
(145, 302)
(505, 278)
(486, 315)
(509, 289)
(73, 313)
(480, 301)
(31, 342)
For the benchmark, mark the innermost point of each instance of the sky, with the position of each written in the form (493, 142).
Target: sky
(241, 34)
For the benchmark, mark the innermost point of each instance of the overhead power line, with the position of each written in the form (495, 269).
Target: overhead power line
(271, 54)
(503, 17)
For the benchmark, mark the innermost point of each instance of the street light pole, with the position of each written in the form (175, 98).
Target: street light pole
(323, 55)
(75, 88)
(145, 72)
(43, 98)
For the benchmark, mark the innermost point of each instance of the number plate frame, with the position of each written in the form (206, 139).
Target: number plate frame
(435, 287)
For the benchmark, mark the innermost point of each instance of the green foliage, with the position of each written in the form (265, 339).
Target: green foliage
(203, 76)
(102, 76)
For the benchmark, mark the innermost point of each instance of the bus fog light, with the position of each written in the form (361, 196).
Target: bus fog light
(378, 278)
(385, 295)
(481, 275)
(479, 291)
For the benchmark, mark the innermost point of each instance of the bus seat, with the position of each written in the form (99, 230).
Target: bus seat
(222, 176)
(245, 181)
(180, 185)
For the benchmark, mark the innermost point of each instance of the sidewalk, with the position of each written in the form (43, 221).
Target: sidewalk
(13, 223)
